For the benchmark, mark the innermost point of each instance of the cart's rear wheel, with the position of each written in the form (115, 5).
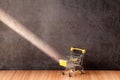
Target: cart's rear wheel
(70, 74)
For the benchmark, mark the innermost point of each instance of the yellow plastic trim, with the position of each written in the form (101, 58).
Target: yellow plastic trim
(63, 63)
(74, 59)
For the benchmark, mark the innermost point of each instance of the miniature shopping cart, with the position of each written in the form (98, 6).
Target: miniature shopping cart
(74, 62)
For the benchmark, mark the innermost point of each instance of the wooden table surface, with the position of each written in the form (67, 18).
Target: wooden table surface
(56, 75)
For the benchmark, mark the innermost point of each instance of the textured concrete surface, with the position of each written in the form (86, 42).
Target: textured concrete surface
(90, 24)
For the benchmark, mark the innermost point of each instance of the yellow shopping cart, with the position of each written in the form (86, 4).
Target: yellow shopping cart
(74, 62)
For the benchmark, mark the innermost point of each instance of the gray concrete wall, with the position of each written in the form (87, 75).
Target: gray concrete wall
(90, 24)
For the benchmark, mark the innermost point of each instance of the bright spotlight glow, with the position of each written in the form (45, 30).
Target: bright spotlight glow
(28, 35)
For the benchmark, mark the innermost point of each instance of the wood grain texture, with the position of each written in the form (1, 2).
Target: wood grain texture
(56, 75)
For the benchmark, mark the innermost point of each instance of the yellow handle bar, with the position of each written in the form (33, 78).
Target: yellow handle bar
(79, 49)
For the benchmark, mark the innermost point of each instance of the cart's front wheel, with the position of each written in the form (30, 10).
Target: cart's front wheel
(63, 73)
(82, 72)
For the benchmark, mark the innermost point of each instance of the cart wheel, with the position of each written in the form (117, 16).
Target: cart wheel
(82, 72)
(70, 74)
(63, 73)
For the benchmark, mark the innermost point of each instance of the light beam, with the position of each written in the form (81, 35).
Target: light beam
(28, 35)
